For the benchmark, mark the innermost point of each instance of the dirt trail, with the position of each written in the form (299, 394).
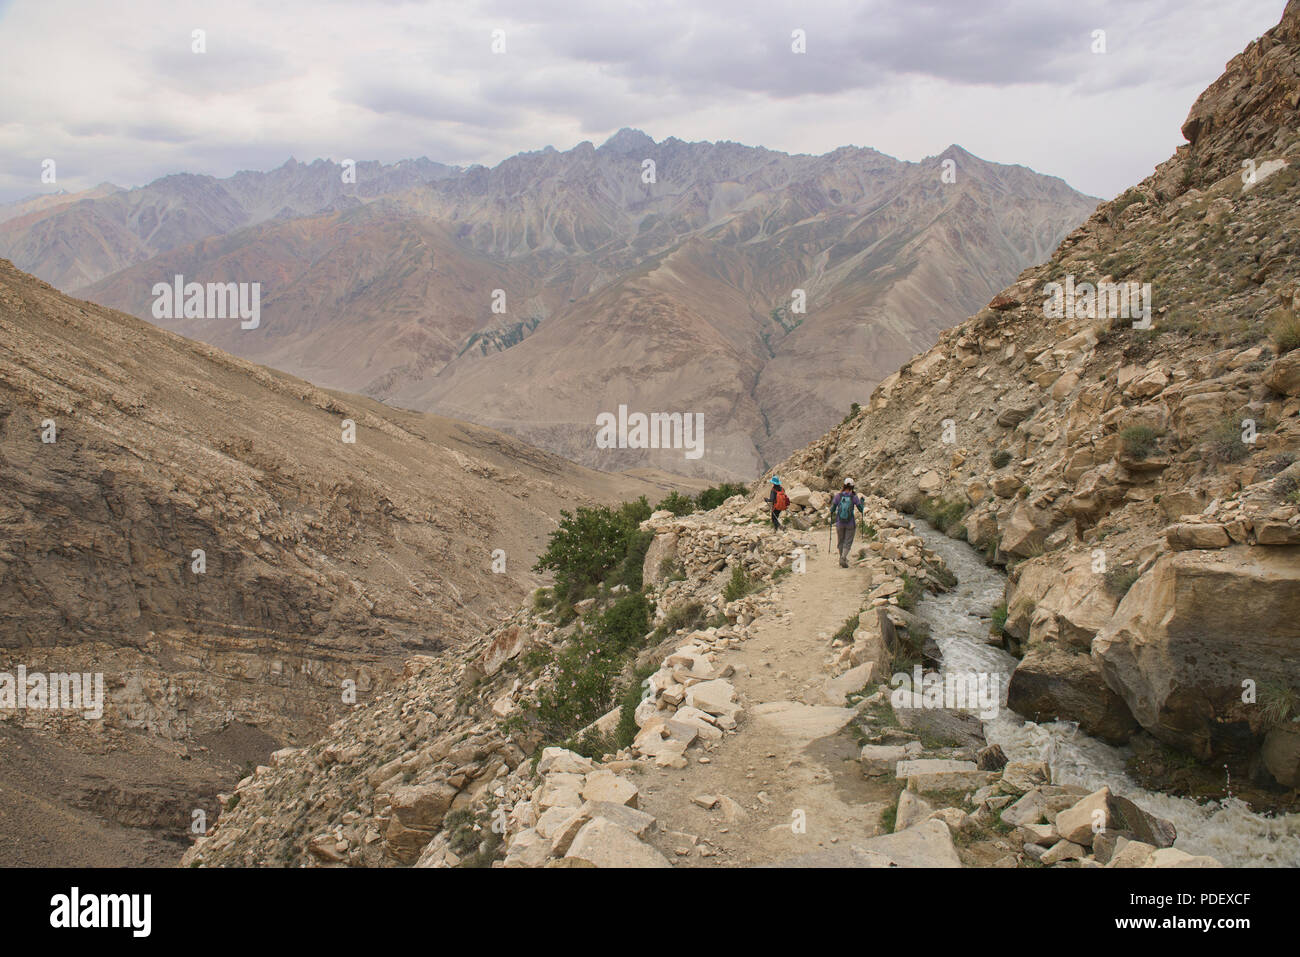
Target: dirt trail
(792, 753)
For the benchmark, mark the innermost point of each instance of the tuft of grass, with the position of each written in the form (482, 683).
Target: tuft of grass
(1000, 459)
(942, 513)
(1285, 330)
(1139, 441)
(1120, 579)
(999, 618)
(847, 629)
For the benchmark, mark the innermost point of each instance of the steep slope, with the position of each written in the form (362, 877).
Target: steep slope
(124, 449)
(480, 295)
(1140, 481)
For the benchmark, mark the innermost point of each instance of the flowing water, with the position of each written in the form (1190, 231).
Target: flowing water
(959, 620)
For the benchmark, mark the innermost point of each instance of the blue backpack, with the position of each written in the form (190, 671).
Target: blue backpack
(845, 507)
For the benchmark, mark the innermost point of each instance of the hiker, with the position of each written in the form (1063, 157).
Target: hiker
(778, 501)
(842, 505)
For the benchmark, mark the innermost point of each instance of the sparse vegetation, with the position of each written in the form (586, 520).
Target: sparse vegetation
(710, 498)
(1139, 441)
(1000, 459)
(1120, 578)
(942, 513)
(739, 585)
(999, 617)
(1285, 330)
(847, 629)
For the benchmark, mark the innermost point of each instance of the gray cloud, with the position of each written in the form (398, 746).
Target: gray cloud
(119, 96)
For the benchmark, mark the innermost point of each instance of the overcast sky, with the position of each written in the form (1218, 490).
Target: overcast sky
(113, 92)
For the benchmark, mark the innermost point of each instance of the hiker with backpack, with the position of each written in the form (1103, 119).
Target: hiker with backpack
(842, 505)
(778, 500)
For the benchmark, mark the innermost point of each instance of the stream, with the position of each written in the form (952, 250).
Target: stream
(959, 619)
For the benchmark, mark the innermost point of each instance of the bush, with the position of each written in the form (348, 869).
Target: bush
(625, 623)
(713, 497)
(1000, 459)
(626, 731)
(854, 409)
(942, 513)
(685, 615)
(1225, 443)
(1285, 331)
(584, 688)
(677, 503)
(592, 542)
(910, 594)
(739, 585)
(1139, 441)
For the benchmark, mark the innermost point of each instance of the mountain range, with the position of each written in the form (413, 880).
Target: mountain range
(764, 290)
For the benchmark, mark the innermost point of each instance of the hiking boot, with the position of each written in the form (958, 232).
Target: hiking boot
(843, 562)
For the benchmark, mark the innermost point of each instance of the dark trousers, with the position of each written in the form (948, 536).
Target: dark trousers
(776, 519)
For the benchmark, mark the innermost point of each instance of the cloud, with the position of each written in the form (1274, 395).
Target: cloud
(117, 94)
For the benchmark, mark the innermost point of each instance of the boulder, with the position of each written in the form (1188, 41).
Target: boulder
(658, 557)
(911, 809)
(1052, 684)
(713, 697)
(1191, 630)
(606, 843)
(1283, 374)
(941, 774)
(1197, 535)
(608, 787)
(504, 646)
(837, 689)
(927, 844)
(1080, 822)
(1281, 754)
(880, 759)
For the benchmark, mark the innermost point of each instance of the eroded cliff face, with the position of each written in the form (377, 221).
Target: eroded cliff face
(1139, 480)
(230, 546)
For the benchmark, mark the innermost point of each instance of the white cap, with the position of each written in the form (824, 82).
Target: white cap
(848, 481)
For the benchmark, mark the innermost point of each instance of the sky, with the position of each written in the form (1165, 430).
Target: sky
(115, 92)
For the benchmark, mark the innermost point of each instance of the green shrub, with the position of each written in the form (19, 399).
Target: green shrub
(999, 623)
(854, 409)
(910, 594)
(1139, 441)
(684, 615)
(543, 599)
(711, 498)
(739, 585)
(942, 513)
(593, 542)
(1225, 442)
(847, 629)
(677, 503)
(624, 624)
(626, 731)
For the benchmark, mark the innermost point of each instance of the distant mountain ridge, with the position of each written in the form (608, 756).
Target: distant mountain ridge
(537, 294)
